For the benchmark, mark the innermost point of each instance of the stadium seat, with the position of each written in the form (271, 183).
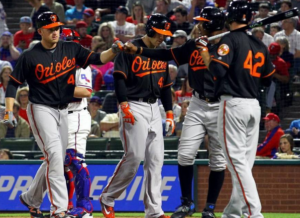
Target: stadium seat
(116, 148)
(96, 144)
(18, 144)
(171, 143)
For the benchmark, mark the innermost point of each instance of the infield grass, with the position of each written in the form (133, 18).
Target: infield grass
(141, 215)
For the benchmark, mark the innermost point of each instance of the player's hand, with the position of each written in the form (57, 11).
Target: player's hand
(201, 43)
(170, 125)
(9, 119)
(130, 48)
(117, 47)
(127, 114)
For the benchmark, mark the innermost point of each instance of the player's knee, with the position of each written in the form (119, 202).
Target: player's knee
(186, 160)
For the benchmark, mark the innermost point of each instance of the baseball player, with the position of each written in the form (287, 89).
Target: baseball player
(49, 69)
(139, 82)
(201, 117)
(79, 123)
(239, 64)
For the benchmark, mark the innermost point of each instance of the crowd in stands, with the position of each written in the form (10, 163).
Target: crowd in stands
(100, 23)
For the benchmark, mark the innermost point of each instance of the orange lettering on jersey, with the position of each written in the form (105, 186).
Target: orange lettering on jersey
(144, 67)
(196, 62)
(46, 74)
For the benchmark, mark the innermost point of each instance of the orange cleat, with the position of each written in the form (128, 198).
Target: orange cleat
(107, 211)
(164, 216)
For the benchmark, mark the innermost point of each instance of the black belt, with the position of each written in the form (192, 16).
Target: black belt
(149, 100)
(59, 106)
(209, 100)
(70, 112)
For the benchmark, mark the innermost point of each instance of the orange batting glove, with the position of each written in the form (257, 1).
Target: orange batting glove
(117, 47)
(9, 119)
(127, 114)
(170, 125)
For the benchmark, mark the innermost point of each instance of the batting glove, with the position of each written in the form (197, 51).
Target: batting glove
(170, 125)
(9, 119)
(127, 114)
(117, 47)
(201, 43)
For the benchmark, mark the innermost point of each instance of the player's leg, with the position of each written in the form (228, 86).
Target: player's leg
(154, 157)
(192, 135)
(45, 123)
(75, 160)
(134, 142)
(217, 162)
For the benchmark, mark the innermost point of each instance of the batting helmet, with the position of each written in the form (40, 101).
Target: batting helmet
(214, 18)
(158, 23)
(48, 20)
(69, 35)
(239, 11)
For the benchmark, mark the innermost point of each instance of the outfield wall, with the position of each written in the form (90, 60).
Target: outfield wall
(278, 183)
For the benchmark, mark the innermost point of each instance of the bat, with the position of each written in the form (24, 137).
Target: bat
(275, 18)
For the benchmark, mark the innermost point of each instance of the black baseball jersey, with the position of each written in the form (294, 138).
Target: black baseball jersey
(247, 62)
(50, 74)
(144, 76)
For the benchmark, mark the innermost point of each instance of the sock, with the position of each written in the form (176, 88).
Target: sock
(70, 184)
(216, 180)
(186, 174)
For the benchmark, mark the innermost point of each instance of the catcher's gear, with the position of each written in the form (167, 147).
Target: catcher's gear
(201, 43)
(158, 23)
(9, 119)
(69, 35)
(239, 11)
(170, 125)
(213, 18)
(127, 114)
(48, 20)
(117, 47)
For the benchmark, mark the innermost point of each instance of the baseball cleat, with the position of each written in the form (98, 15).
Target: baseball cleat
(79, 213)
(208, 214)
(164, 216)
(187, 208)
(58, 215)
(107, 211)
(34, 212)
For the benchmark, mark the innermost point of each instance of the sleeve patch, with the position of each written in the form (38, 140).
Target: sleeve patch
(83, 76)
(223, 50)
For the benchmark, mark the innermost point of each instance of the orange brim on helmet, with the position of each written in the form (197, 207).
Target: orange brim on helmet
(200, 19)
(52, 25)
(163, 31)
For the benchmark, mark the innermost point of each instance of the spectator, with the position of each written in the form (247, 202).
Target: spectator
(109, 79)
(107, 33)
(182, 21)
(3, 26)
(179, 38)
(196, 7)
(33, 43)
(138, 14)
(185, 93)
(89, 18)
(149, 5)
(175, 107)
(95, 41)
(75, 14)
(274, 28)
(185, 104)
(4, 63)
(123, 30)
(195, 33)
(23, 37)
(57, 8)
(109, 126)
(85, 39)
(109, 6)
(285, 5)
(23, 100)
(140, 30)
(110, 103)
(5, 154)
(270, 145)
(263, 11)
(162, 7)
(94, 109)
(97, 78)
(286, 146)
(95, 130)
(4, 78)
(260, 33)
(284, 51)
(38, 8)
(22, 130)
(63, 3)
(294, 129)
(173, 72)
(8, 52)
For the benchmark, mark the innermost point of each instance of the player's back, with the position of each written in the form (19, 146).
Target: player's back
(248, 62)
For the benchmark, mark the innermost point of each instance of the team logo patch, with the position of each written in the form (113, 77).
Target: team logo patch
(53, 18)
(223, 50)
(84, 77)
(167, 26)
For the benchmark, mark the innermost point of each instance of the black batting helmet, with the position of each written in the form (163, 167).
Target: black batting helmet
(239, 11)
(48, 20)
(214, 18)
(158, 23)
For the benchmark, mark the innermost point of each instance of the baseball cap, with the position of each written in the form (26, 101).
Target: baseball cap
(89, 12)
(80, 24)
(25, 19)
(122, 9)
(6, 33)
(274, 48)
(96, 99)
(271, 116)
(180, 33)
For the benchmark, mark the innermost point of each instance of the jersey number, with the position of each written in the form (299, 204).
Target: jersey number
(248, 63)
(161, 82)
(71, 80)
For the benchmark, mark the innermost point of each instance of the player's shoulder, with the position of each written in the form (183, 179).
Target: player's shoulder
(138, 42)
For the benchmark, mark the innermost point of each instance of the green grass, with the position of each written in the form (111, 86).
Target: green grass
(266, 215)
